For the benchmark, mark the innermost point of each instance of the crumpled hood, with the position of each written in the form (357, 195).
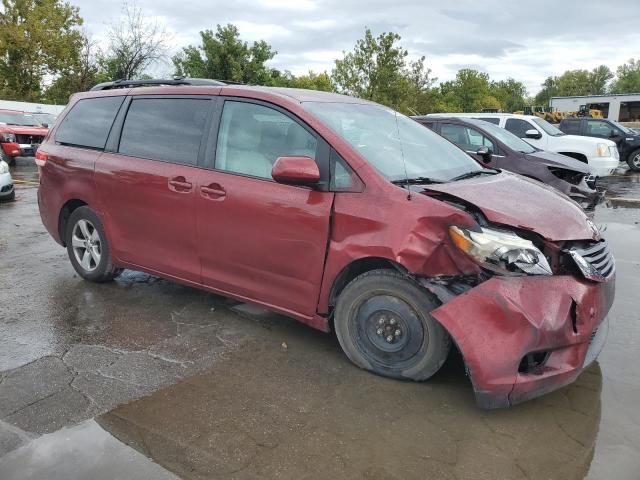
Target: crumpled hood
(23, 130)
(517, 201)
(551, 159)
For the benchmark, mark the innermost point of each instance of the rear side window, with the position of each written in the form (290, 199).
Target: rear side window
(571, 127)
(495, 121)
(518, 127)
(88, 123)
(168, 129)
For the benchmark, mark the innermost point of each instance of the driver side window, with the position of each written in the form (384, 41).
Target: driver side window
(518, 127)
(466, 138)
(252, 137)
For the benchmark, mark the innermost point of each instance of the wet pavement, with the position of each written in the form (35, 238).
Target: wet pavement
(143, 378)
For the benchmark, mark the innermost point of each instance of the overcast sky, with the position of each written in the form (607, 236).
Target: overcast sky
(528, 41)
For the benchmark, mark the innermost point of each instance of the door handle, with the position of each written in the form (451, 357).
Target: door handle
(180, 184)
(213, 191)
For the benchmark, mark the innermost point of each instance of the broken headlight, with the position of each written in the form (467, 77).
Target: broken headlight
(500, 251)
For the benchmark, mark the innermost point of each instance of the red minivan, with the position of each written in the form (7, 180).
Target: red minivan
(340, 213)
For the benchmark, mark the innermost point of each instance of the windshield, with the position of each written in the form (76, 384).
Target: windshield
(626, 130)
(547, 127)
(384, 138)
(47, 118)
(505, 136)
(18, 118)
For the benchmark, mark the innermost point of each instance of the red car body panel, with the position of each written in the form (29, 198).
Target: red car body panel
(496, 323)
(13, 149)
(286, 247)
(553, 219)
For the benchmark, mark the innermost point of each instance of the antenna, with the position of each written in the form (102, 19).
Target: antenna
(404, 164)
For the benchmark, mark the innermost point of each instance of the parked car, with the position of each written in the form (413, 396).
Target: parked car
(497, 148)
(600, 155)
(45, 119)
(627, 140)
(6, 183)
(340, 213)
(20, 135)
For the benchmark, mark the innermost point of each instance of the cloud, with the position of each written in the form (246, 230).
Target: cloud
(503, 38)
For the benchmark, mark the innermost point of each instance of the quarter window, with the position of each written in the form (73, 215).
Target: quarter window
(168, 129)
(89, 122)
(518, 127)
(252, 137)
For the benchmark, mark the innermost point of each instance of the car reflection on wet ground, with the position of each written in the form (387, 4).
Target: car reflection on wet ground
(143, 378)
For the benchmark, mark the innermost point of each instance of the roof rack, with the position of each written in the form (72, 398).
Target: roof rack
(158, 81)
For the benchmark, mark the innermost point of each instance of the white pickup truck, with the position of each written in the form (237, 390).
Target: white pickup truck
(600, 154)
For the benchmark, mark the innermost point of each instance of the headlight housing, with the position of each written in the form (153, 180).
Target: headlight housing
(501, 251)
(602, 150)
(4, 167)
(8, 137)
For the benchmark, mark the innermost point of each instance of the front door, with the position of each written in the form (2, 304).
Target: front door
(259, 239)
(147, 188)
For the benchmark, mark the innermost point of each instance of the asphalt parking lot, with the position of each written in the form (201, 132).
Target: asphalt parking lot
(146, 379)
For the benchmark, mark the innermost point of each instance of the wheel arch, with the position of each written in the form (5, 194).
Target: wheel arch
(65, 212)
(578, 156)
(358, 267)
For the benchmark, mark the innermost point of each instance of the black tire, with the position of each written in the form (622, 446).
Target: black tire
(99, 267)
(11, 197)
(370, 303)
(633, 160)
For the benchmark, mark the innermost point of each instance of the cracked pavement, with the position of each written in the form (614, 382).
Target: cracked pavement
(146, 379)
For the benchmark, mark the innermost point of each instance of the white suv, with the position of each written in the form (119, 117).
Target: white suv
(600, 154)
(6, 184)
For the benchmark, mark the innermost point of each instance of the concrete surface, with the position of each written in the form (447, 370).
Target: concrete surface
(166, 380)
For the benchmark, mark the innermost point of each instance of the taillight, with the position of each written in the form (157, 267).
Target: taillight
(41, 158)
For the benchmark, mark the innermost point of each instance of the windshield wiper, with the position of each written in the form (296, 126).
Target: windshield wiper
(475, 173)
(416, 181)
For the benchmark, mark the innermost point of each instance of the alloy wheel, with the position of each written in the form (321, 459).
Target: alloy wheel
(87, 245)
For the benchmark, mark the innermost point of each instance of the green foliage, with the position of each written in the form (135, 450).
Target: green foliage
(510, 94)
(575, 82)
(377, 70)
(223, 56)
(38, 38)
(628, 78)
(311, 81)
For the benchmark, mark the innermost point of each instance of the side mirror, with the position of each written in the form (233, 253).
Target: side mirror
(533, 133)
(45, 125)
(296, 171)
(484, 153)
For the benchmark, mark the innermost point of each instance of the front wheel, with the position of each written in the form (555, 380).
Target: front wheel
(634, 160)
(88, 248)
(383, 323)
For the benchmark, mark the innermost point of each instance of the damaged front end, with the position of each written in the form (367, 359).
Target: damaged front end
(523, 334)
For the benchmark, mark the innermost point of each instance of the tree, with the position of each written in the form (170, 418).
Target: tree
(223, 56)
(469, 92)
(77, 77)
(134, 44)
(599, 79)
(628, 78)
(38, 38)
(311, 81)
(377, 69)
(575, 82)
(510, 93)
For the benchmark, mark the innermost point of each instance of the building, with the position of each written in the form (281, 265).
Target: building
(624, 107)
(31, 107)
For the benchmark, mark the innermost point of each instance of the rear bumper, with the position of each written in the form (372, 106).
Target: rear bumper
(496, 324)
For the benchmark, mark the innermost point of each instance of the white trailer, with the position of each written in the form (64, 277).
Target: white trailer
(31, 107)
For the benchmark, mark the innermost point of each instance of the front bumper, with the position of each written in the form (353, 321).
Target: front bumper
(585, 193)
(603, 166)
(501, 321)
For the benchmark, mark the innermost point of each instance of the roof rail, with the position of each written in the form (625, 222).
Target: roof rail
(157, 81)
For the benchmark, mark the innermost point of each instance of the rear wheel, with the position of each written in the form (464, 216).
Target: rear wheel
(383, 323)
(634, 160)
(88, 248)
